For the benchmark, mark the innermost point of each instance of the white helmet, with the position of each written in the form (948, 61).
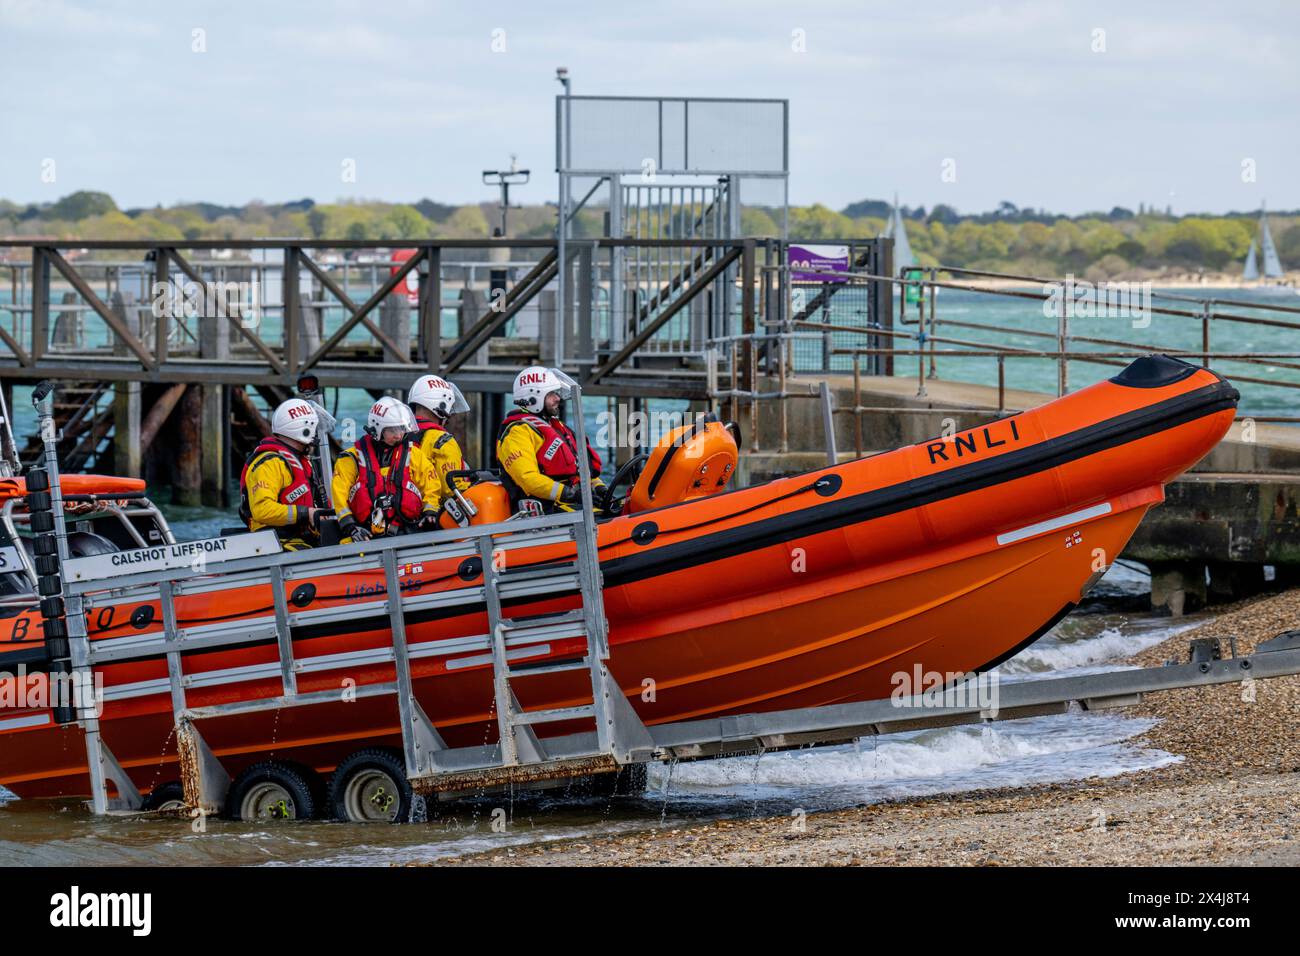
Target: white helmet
(388, 413)
(534, 383)
(437, 395)
(295, 419)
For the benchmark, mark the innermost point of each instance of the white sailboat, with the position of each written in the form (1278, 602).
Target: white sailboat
(895, 230)
(1272, 272)
(903, 257)
(1272, 265)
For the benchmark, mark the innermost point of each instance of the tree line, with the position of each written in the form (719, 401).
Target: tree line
(1094, 245)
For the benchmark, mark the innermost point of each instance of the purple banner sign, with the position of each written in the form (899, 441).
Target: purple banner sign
(805, 258)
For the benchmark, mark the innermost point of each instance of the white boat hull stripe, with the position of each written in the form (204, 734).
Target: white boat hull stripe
(1055, 524)
(34, 720)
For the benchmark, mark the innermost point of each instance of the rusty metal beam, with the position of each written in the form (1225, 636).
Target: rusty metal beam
(110, 318)
(292, 310)
(644, 383)
(250, 411)
(358, 314)
(330, 283)
(430, 312)
(518, 296)
(162, 332)
(422, 244)
(747, 316)
(699, 285)
(159, 414)
(18, 350)
(40, 303)
(255, 340)
(492, 320)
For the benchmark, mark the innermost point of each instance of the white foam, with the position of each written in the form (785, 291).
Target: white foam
(1056, 653)
(1057, 748)
(1060, 747)
(480, 840)
(1129, 578)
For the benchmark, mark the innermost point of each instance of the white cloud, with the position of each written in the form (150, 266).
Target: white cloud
(884, 91)
(66, 17)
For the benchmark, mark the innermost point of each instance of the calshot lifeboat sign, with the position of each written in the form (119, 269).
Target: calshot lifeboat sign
(186, 555)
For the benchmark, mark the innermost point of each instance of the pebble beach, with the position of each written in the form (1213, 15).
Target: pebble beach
(1232, 798)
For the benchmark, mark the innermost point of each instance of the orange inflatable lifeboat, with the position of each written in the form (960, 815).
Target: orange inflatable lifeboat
(949, 555)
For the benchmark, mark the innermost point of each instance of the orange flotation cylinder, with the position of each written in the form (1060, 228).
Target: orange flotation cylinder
(106, 485)
(692, 461)
(489, 501)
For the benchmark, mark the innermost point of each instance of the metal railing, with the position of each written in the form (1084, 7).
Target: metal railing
(923, 330)
(776, 376)
(360, 324)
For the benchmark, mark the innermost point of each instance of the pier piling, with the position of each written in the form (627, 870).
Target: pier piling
(395, 322)
(189, 453)
(127, 458)
(68, 324)
(214, 424)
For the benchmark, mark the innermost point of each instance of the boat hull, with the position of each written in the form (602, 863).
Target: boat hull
(946, 557)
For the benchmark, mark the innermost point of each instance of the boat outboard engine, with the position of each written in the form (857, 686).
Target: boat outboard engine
(692, 461)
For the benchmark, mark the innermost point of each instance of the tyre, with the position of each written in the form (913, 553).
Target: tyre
(271, 791)
(319, 790)
(370, 786)
(168, 796)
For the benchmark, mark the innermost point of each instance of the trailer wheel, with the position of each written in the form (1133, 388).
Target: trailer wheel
(270, 791)
(166, 796)
(370, 786)
(317, 783)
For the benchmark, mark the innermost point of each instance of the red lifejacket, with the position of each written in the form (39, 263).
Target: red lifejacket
(301, 489)
(405, 503)
(557, 457)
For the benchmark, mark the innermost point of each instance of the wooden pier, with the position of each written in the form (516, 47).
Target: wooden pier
(165, 350)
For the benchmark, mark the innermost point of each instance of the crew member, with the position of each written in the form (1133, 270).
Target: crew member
(538, 452)
(384, 484)
(434, 400)
(276, 485)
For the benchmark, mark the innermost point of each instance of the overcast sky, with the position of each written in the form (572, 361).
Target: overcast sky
(1068, 106)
